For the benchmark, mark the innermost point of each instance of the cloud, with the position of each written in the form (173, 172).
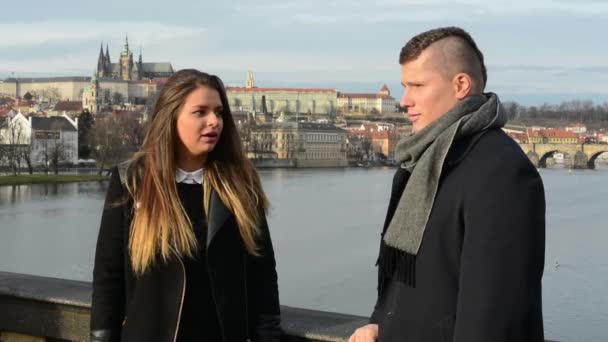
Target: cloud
(16, 35)
(357, 12)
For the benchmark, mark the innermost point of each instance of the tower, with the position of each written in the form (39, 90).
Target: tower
(108, 63)
(101, 63)
(126, 62)
(90, 96)
(140, 66)
(385, 91)
(250, 82)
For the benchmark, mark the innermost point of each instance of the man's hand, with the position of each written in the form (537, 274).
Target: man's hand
(367, 333)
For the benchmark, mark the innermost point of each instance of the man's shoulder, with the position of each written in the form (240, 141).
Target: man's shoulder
(494, 148)
(496, 144)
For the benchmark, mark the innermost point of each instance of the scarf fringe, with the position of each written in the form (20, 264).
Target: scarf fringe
(395, 264)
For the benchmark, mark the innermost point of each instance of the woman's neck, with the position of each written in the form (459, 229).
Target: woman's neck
(191, 163)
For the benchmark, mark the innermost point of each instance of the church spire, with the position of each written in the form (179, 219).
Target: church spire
(140, 59)
(125, 50)
(101, 56)
(101, 62)
(107, 54)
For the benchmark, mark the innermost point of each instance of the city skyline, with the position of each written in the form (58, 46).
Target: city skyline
(548, 51)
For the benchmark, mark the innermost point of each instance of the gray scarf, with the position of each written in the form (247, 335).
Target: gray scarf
(423, 154)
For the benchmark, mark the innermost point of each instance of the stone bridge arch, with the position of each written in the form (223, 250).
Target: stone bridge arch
(593, 158)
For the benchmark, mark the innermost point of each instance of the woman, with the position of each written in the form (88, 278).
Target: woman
(177, 260)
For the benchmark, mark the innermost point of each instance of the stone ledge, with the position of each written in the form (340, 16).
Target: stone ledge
(59, 310)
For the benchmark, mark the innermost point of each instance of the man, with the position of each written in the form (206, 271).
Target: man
(462, 249)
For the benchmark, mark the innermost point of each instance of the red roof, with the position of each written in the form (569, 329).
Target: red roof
(552, 133)
(364, 96)
(127, 114)
(295, 90)
(384, 87)
(519, 137)
(68, 106)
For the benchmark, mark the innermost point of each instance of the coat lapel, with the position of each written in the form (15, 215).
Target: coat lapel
(218, 213)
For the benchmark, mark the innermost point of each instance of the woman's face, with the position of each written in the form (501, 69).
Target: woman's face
(199, 123)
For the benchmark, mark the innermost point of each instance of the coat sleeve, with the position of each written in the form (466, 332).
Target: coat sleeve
(107, 309)
(502, 260)
(263, 290)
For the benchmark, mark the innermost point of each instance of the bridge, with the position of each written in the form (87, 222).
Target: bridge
(583, 155)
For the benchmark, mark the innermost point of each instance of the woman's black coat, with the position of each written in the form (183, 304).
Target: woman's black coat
(126, 307)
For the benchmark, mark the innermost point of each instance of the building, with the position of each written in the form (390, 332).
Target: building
(47, 88)
(134, 81)
(128, 70)
(384, 143)
(552, 136)
(379, 103)
(40, 137)
(91, 98)
(291, 101)
(72, 108)
(310, 144)
(577, 128)
(55, 132)
(382, 139)
(56, 89)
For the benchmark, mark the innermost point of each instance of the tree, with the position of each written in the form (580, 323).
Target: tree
(85, 125)
(50, 94)
(28, 96)
(106, 97)
(117, 99)
(26, 155)
(14, 140)
(57, 154)
(53, 152)
(107, 142)
(132, 132)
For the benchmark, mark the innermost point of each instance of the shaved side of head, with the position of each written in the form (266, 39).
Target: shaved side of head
(452, 56)
(452, 51)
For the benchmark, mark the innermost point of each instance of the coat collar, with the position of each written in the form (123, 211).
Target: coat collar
(218, 214)
(461, 148)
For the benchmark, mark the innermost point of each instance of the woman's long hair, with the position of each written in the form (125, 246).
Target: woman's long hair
(160, 222)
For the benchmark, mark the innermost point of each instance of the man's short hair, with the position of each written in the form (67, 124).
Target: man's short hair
(470, 54)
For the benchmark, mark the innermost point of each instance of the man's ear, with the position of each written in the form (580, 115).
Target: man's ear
(463, 85)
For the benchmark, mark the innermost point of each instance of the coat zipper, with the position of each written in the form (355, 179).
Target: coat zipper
(181, 303)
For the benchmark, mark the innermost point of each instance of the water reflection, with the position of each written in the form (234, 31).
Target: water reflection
(326, 226)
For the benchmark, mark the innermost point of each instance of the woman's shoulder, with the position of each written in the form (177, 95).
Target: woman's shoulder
(126, 169)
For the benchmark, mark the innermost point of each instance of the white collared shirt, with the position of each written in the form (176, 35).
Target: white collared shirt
(194, 177)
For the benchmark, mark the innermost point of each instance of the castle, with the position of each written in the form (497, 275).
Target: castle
(127, 69)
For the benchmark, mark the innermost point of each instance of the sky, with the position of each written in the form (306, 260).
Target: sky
(541, 51)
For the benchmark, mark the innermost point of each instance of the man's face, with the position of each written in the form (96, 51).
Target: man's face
(429, 92)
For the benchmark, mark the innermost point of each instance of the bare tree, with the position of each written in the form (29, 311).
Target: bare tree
(14, 139)
(53, 152)
(50, 94)
(107, 142)
(58, 154)
(132, 132)
(26, 155)
(118, 99)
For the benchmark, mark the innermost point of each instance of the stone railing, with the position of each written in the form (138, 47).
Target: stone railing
(41, 309)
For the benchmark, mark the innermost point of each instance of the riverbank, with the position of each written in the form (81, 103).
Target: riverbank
(48, 179)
